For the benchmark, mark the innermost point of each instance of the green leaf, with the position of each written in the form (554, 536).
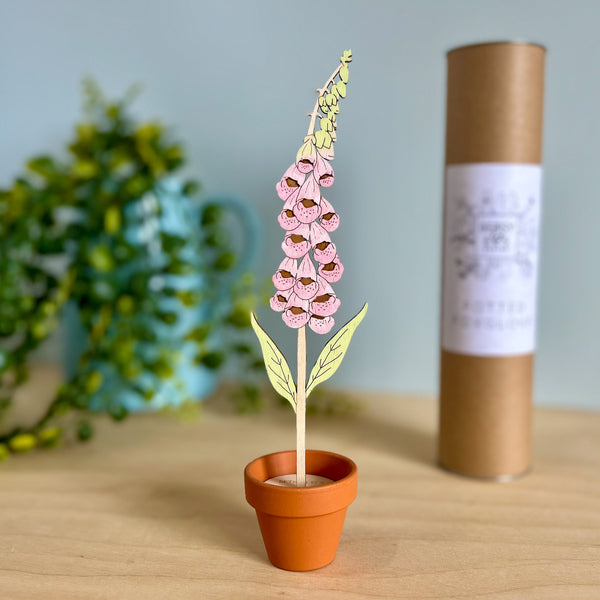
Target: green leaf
(332, 355)
(344, 72)
(112, 219)
(340, 87)
(49, 437)
(126, 304)
(191, 188)
(85, 431)
(211, 215)
(198, 335)
(225, 261)
(93, 382)
(212, 360)
(168, 318)
(277, 368)
(101, 258)
(22, 442)
(239, 317)
(42, 165)
(85, 169)
(117, 411)
(189, 298)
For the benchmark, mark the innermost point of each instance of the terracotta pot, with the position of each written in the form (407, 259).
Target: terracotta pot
(301, 527)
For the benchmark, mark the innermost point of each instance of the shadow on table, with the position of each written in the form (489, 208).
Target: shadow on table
(394, 438)
(201, 513)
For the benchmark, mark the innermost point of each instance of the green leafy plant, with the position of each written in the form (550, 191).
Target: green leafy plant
(83, 229)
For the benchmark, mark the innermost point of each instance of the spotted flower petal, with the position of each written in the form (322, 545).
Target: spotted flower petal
(323, 172)
(323, 250)
(291, 181)
(285, 277)
(279, 300)
(321, 324)
(307, 208)
(307, 155)
(325, 303)
(306, 286)
(296, 312)
(287, 219)
(329, 218)
(332, 271)
(296, 244)
(310, 190)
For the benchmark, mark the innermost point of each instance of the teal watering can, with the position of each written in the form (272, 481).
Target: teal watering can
(176, 214)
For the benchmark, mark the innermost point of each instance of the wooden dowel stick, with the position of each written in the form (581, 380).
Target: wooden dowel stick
(301, 411)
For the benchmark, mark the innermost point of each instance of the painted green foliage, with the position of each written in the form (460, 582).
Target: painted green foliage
(328, 103)
(332, 355)
(277, 368)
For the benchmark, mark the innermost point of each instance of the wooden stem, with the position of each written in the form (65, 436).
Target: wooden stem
(301, 384)
(301, 410)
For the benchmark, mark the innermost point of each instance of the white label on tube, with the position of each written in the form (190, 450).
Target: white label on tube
(491, 231)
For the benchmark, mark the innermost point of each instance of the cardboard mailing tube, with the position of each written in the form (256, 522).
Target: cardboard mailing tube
(491, 219)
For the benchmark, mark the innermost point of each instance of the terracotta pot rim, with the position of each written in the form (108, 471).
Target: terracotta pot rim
(303, 490)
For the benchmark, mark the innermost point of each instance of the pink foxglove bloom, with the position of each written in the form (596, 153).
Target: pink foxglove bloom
(287, 219)
(308, 209)
(304, 294)
(323, 172)
(307, 156)
(292, 179)
(323, 250)
(296, 312)
(279, 300)
(325, 303)
(332, 271)
(329, 218)
(321, 324)
(285, 277)
(306, 281)
(296, 242)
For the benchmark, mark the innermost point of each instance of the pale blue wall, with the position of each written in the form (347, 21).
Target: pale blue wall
(236, 78)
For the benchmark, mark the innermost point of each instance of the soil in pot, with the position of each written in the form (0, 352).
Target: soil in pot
(301, 527)
(289, 480)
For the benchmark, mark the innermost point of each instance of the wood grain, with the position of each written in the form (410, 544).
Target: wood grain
(155, 509)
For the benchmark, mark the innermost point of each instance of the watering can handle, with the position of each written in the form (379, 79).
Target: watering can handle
(251, 227)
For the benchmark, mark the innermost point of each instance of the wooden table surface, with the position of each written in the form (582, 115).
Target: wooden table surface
(154, 509)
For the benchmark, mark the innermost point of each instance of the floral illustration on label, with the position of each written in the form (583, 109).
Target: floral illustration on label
(490, 258)
(495, 234)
